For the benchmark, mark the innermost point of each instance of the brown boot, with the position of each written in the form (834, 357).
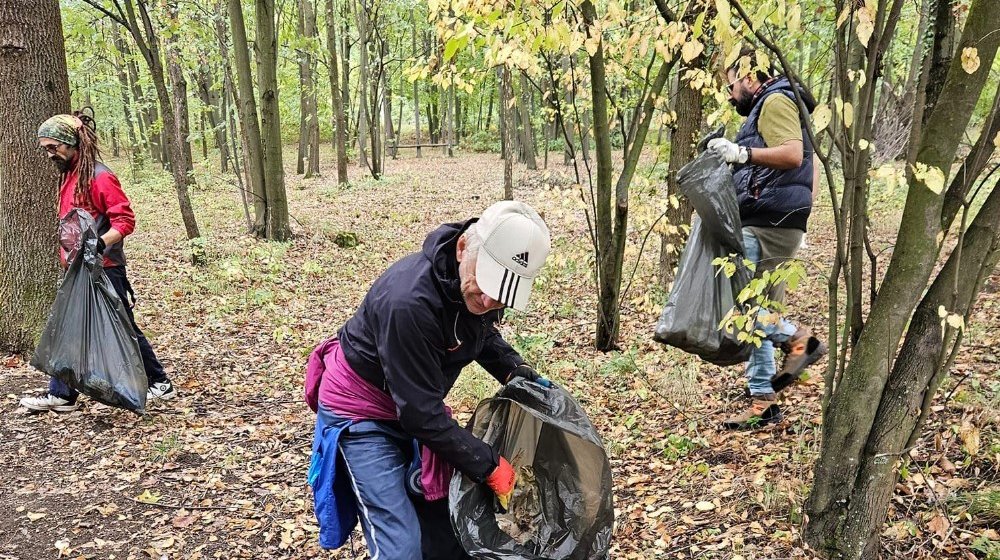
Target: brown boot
(801, 351)
(763, 410)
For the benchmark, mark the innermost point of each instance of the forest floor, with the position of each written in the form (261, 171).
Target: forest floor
(220, 472)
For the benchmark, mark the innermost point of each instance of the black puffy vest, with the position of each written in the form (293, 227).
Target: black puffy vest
(773, 197)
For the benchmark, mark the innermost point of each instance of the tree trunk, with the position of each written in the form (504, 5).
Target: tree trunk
(276, 227)
(212, 102)
(339, 118)
(33, 86)
(364, 78)
(178, 86)
(506, 133)
(416, 87)
(683, 138)
(865, 425)
(247, 107)
(309, 134)
(149, 45)
(125, 92)
(527, 131)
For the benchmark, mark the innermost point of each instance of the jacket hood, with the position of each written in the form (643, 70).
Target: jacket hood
(439, 248)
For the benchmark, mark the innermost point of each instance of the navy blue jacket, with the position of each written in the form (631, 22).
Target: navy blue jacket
(773, 197)
(413, 334)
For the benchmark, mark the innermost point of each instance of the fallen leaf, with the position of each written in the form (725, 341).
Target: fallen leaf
(704, 506)
(939, 525)
(148, 497)
(35, 516)
(970, 59)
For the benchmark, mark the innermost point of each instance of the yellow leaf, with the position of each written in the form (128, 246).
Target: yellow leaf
(970, 59)
(942, 312)
(848, 115)
(691, 50)
(35, 516)
(704, 506)
(148, 497)
(970, 438)
(956, 321)
(843, 15)
(821, 117)
(996, 140)
(932, 177)
(863, 144)
(591, 45)
(865, 25)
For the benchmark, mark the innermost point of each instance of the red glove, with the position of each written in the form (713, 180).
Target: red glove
(501, 481)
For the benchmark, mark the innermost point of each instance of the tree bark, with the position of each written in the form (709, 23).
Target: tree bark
(247, 107)
(178, 86)
(276, 227)
(506, 134)
(311, 116)
(416, 86)
(527, 131)
(683, 138)
(364, 78)
(34, 85)
(854, 473)
(339, 118)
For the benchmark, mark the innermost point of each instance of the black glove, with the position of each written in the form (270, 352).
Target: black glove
(101, 246)
(527, 372)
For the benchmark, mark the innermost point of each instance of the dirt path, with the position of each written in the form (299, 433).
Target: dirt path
(220, 471)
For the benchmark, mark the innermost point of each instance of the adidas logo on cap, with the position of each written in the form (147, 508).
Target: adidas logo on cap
(521, 259)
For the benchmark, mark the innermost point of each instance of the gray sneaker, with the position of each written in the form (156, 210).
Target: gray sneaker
(163, 391)
(46, 402)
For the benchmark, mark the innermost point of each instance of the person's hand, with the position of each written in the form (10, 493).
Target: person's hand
(501, 481)
(527, 372)
(730, 151)
(101, 246)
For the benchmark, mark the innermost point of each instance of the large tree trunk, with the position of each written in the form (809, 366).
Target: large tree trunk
(867, 422)
(276, 227)
(33, 87)
(247, 106)
(339, 118)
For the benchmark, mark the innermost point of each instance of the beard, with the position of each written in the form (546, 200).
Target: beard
(63, 165)
(743, 105)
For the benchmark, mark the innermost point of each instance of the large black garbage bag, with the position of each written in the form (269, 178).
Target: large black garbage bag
(562, 504)
(88, 342)
(702, 294)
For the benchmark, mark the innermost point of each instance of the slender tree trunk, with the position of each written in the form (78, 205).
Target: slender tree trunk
(149, 45)
(527, 131)
(309, 123)
(246, 103)
(34, 85)
(134, 147)
(345, 64)
(178, 86)
(867, 423)
(276, 227)
(506, 134)
(339, 119)
(364, 78)
(416, 86)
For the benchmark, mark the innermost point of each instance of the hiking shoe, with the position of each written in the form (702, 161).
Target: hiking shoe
(801, 351)
(46, 402)
(163, 391)
(763, 410)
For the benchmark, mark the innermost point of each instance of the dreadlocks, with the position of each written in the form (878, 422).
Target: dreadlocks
(88, 154)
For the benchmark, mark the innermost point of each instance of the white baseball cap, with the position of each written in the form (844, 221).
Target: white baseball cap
(515, 244)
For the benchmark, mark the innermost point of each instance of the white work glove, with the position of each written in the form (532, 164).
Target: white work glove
(730, 151)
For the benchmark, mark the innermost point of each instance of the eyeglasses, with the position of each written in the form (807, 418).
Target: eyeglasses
(731, 84)
(51, 148)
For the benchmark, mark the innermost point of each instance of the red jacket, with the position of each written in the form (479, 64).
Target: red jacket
(109, 206)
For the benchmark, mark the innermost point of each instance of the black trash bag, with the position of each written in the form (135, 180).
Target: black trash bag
(702, 294)
(562, 502)
(88, 342)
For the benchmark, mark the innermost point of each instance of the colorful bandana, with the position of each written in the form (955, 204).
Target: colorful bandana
(62, 128)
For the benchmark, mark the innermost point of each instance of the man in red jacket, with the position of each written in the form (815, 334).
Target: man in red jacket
(71, 143)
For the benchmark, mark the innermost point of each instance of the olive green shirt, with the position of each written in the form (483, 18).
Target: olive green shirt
(779, 120)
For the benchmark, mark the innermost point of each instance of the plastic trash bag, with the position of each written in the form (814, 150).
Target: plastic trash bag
(562, 503)
(702, 295)
(88, 342)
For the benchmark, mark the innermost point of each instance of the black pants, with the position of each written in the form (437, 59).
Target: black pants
(153, 367)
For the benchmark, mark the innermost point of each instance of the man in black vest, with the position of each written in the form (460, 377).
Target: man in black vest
(774, 175)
